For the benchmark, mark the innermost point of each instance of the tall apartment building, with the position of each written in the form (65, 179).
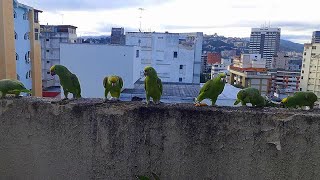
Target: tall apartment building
(19, 45)
(175, 56)
(280, 61)
(117, 36)
(284, 83)
(265, 41)
(249, 71)
(208, 59)
(310, 71)
(315, 37)
(51, 37)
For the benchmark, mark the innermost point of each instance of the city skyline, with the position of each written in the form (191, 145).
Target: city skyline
(230, 18)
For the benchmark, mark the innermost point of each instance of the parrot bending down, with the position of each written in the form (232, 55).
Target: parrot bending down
(250, 95)
(152, 85)
(300, 99)
(68, 81)
(112, 84)
(212, 89)
(11, 86)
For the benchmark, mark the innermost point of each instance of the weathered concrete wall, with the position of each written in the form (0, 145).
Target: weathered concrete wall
(87, 139)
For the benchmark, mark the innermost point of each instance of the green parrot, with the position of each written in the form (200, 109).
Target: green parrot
(152, 85)
(112, 84)
(251, 95)
(300, 99)
(69, 81)
(11, 86)
(212, 89)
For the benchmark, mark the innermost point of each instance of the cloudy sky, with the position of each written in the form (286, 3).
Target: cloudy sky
(296, 18)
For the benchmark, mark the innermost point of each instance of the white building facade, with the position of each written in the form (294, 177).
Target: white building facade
(175, 56)
(92, 62)
(310, 71)
(51, 37)
(221, 67)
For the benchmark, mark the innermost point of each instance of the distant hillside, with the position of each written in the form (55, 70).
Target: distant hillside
(286, 45)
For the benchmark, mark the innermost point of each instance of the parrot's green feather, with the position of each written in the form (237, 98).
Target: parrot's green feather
(212, 89)
(114, 90)
(250, 95)
(69, 82)
(152, 85)
(11, 86)
(300, 99)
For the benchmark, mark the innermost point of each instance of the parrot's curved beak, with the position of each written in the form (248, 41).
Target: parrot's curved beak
(52, 73)
(112, 84)
(145, 73)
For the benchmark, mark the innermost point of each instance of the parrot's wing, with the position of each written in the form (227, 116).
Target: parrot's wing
(145, 85)
(75, 81)
(121, 82)
(105, 81)
(160, 84)
(205, 87)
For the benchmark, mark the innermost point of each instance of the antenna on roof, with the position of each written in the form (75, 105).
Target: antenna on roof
(61, 18)
(140, 17)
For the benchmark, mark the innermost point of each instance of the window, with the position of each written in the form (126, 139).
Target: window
(305, 53)
(36, 34)
(18, 77)
(48, 61)
(301, 77)
(14, 14)
(137, 53)
(36, 17)
(48, 72)
(300, 89)
(180, 79)
(26, 36)
(313, 54)
(181, 66)
(27, 57)
(47, 39)
(175, 54)
(25, 16)
(47, 50)
(15, 35)
(302, 71)
(314, 47)
(17, 57)
(303, 65)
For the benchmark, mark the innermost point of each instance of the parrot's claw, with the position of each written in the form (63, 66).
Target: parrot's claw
(157, 102)
(198, 104)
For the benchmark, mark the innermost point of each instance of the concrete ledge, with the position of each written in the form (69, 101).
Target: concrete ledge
(88, 139)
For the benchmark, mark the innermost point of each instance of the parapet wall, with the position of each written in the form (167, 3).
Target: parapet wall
(88, 139)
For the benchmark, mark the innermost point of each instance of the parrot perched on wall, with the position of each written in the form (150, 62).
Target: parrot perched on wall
(112, 84)
(300, 99)
(68, 81)
(212, 89)
(152, 85)
(250, 95)
(11, 86)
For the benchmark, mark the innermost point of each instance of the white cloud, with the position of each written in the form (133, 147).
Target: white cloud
(227, 17)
